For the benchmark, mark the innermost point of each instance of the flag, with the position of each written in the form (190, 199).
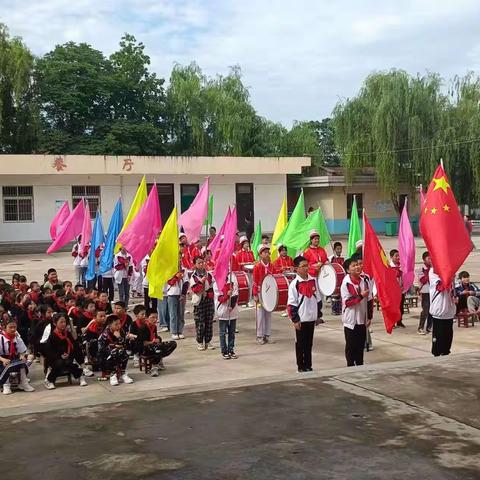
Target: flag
(222, 264)
(422, 197)
(98, 237)
(70, 229)
(257, 239)
(443, 229)
(376, 264)
(209, 219)
(58, 220)
(355, 231)
(86, 230)
(192, 219)
(213, 247)
(296, 219)
(114, 228)
(138, 201)
(299, 238)
(164, 260)
(406, 249)
(279, 228)
(139, 237)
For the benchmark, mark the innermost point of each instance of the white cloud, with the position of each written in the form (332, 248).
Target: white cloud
(298, 58)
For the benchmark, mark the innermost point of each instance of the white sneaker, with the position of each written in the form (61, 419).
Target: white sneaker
(7, 390)
(136, 361)
(126, 378)
(161, 366)
(164, 329)
(175, 337)
(181, 336)
(284, 314)
(49, 385)
(87, 372)
(209, 347)
(200, 346)
(113, 380)
(154, 372)
(83, 381)
(26, 387)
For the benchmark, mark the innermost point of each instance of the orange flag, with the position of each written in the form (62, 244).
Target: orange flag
(442, 228)
(376, 264)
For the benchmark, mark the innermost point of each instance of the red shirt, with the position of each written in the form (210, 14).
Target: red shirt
(244, 256)
(315, 255)
(282, 263)
(260, 271)
(186, 259)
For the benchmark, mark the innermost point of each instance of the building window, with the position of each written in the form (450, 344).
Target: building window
(166, 198)
(359, 199)
(244, 201)
(90, 193)
(18, 204)
(188, 192)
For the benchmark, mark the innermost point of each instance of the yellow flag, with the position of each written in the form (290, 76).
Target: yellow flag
(279, 228)
(137, 203)
(163, 263)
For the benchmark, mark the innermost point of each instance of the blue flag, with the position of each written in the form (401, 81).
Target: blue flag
(116, 223)
(98, 237)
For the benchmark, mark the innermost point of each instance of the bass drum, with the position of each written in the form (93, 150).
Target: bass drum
(274, 292)
(330, 279)
(243, 288)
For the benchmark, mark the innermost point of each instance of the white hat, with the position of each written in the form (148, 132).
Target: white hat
(359, 244)
(262, 247)
(181, 234)
(314, 233)
(243, 238)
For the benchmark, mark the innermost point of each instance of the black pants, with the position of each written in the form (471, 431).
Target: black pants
(157, 352)
(60, 366)
(354, 344)
(424, 315)
(147, 300)
(107, 287)
(442, 336)
(303, 345)
(402, 302)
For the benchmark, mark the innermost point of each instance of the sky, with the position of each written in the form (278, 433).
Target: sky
(298, 58)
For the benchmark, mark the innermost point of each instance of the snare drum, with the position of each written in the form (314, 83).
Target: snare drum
(248, 267)
(243, 287)
(274, 292)
(330, 279)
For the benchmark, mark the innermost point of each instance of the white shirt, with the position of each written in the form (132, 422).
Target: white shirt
(441, 303)
(177, 288)
(425, 288)
(307, 307)
(221, 309)
(5, 345)
(356, 313)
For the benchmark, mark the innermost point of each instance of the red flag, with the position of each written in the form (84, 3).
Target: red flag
(442, 228)
(376, 264)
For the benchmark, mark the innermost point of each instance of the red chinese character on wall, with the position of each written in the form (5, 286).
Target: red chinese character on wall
(127, 164)
(59, 164)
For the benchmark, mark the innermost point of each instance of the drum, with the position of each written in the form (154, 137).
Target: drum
(330, 279)
(274, 292)
(248, 267)
(243, 288)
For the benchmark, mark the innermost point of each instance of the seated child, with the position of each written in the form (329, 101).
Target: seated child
(103, 304)
(91, 334)
(136, 345)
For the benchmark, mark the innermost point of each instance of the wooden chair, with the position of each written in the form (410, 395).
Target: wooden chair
(464, 319)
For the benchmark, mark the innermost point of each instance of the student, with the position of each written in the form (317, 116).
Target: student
(227, 312)
(84, 314)
(123, 272)
(355, 293)
(265, 239)
(91, 334)
(442, 311)
(162, 309)
(13, 357)
(424, 291)
(395, 263)
(337, 254)
(35, 292)
(263, 319)
(68, 287)
(147, 301)
(284, 263)
(209, 263)
(112, 352)
(43, 318)
(22, 312)
(103, 303)
(22, 284)
(107, 284)
(52, 279)
(176, 291)
(79, 291)
(244, 256)
(135, 327)
(466, 293)
(62, 354)
(305, 310)
(315, 254)
(187, 262)
(201, 284)
(119, 309)
(77, 260)
(152, 345)
(212, 233)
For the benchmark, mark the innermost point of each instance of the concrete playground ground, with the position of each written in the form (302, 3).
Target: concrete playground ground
(403, 415)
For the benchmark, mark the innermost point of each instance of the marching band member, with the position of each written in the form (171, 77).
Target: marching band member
(245, 255)
(284, 263)
(123, 272)
(315, 255)
(177, 288)
(424, 291)
(337, 254)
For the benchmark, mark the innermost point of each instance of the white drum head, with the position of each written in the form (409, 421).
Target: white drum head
(327, 280)
(269, 293)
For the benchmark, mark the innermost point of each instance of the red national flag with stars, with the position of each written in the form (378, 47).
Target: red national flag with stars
(376, 264)
(443, 229)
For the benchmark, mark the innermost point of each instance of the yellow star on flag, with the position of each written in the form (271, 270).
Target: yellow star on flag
(383, 257)
(446, 208)
(426, 209)
(433, 210)
(441, 183)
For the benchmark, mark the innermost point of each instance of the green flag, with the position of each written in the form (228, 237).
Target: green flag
(299, 238)
(296, 219)
(257, 239)
(355, 232)
(209, 219)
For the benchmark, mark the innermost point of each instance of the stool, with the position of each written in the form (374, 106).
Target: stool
(463, 319)
(145, 362)
(412, 301)
(406, 306)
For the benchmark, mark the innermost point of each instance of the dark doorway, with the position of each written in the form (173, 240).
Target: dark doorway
(188, 192)
(165, 197)
(244, 201)
(359, 198)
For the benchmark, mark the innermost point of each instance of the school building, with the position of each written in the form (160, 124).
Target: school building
(34, 187)
(328, 188)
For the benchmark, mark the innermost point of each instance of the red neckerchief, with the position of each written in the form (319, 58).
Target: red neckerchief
(94, 327)
(102, 306)
(64, 336)
(151, 329)
(306, 288)
(139, 323)
(227, 287)
(88, 315)
(338, 260)
(123, 320)
(12, 347)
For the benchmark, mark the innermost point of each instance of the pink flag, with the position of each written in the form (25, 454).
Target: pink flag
(422, 197)
(70, 229)
(406, 249)
(213, 247)
(192, 220)
(58, 220)
(140, 235)
(222, 265)
(86, 230)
